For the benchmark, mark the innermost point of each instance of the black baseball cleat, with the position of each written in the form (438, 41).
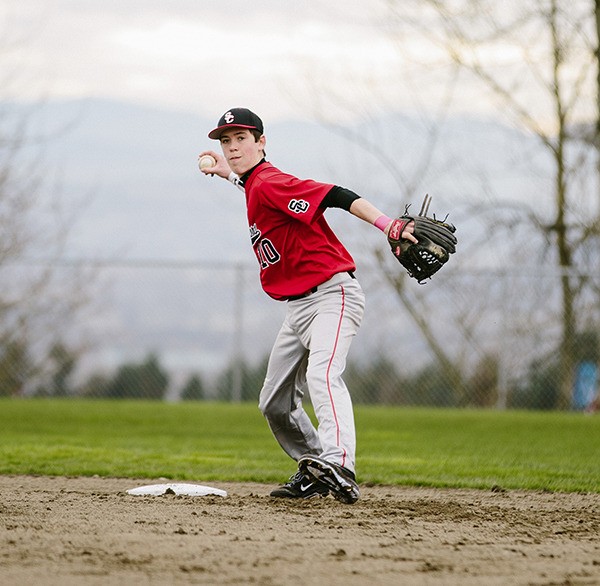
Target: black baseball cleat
(340, 481)
(301, 486)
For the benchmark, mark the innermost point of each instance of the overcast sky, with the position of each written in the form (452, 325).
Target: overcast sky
(282, 58)
(193, 55)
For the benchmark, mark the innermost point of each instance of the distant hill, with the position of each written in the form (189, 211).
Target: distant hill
(137, 166)
(136, 169)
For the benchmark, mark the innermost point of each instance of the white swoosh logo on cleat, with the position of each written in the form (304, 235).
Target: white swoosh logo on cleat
(303, 488)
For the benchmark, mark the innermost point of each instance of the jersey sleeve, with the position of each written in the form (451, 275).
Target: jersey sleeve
(298, 198)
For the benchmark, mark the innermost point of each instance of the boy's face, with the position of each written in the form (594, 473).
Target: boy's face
(241, 149)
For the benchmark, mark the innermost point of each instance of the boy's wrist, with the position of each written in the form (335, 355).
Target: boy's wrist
(382, 222)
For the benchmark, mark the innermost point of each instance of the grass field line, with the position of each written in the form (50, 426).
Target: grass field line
(205, 441)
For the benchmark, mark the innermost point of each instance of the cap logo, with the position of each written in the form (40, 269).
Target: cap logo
(238, 117)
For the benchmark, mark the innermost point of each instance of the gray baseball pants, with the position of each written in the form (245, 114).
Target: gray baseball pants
(310, 353)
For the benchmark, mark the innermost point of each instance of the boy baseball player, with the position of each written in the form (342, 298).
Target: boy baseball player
(304, 264)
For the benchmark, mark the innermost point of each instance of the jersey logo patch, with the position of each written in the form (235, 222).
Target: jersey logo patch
(254, 234)
(298, 206)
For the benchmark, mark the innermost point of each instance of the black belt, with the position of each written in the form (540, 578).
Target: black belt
(313, 290)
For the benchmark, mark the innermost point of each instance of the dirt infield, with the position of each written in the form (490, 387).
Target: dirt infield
(73, 531)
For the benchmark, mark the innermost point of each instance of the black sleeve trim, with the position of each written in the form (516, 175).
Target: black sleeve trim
(339, 197)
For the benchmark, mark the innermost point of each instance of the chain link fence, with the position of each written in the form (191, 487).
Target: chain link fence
(200, 331)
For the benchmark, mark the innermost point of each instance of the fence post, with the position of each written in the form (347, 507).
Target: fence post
(238, 331)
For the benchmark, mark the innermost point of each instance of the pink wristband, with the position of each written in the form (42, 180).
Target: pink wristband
(381, 222)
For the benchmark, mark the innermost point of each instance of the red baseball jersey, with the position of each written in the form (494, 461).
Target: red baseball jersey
(295, 247)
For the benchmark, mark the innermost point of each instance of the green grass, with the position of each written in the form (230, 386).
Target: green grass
(217, 441)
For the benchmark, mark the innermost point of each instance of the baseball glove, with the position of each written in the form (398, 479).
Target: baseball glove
(436, 243)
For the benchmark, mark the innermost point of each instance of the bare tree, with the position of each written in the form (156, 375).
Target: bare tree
(41, 298)
(537, 64)
(543, 87)
(409, 165)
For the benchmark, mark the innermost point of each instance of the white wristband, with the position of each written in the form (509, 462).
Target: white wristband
(233, 178)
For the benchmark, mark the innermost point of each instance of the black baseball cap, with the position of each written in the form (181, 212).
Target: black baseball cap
(237, 117)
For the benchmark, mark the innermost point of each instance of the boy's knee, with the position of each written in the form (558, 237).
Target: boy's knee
(317, 376)
(270, 408)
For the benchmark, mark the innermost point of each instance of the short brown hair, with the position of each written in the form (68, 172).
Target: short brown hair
(257, 134)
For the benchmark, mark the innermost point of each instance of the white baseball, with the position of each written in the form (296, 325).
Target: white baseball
(206, 161)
